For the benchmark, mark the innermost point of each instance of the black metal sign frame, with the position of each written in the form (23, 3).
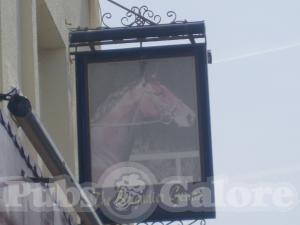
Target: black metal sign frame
(81, 38)
(199, 52)
(177, 31)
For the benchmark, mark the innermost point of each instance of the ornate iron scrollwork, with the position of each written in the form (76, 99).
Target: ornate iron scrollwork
(139, 16)
(106, 16)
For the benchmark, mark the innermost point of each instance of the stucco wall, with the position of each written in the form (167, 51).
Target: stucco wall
(34, 57)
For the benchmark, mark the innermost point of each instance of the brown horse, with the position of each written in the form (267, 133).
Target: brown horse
(143, 102)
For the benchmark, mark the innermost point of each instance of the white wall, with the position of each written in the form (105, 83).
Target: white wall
(34, 56)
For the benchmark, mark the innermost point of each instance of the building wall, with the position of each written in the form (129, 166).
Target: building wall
(34, 57)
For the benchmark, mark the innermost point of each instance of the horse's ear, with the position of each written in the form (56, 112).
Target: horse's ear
(144, 81)
(151, 78)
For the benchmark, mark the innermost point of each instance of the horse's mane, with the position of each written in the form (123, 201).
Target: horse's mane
(106, 106)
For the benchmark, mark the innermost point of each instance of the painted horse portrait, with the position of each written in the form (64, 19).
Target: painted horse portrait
(140, 103)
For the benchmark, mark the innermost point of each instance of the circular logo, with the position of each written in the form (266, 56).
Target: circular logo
(127, 193)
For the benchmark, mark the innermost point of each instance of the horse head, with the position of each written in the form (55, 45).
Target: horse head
(158, 102)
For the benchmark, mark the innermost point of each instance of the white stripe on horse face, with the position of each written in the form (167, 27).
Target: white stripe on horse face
(161, 102)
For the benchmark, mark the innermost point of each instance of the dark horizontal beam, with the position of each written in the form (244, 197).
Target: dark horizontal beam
(121, 33)
(128, 41)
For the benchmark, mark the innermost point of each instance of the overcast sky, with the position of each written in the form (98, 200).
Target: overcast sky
(254, 93)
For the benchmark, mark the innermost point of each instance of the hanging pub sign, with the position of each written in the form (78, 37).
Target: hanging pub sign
(144, 124)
